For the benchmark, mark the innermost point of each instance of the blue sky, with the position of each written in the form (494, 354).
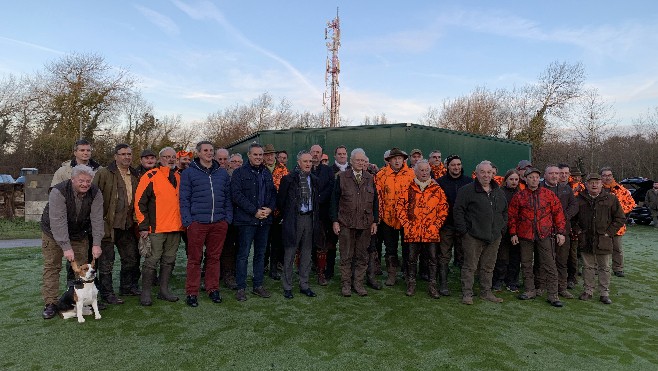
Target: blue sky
(399, 58)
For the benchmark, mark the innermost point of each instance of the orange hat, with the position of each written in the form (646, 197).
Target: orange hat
(325, 156)
(180, 154)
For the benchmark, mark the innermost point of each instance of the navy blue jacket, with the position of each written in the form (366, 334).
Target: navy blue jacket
(205, 194)
(244, 193)
(450, 187)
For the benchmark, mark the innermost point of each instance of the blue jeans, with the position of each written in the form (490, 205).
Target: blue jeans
(246, 235)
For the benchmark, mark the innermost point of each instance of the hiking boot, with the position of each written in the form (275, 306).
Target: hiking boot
(240, 295)
(585, 296)
(527, 295)
(605, 300)
(49, 311)
(513, 288)
(468, 300)
(497, 287)
(555, 302)
(571, 285)
(260, 291)
(346, 290)
(373, 283)
(322, 280)
(620, 274)
(411, 288)
(392, 270)
(566, 294)
(360, 290)
(192, 301)
(489, 296)
(215, 297)
(432, 291)
(113, 299)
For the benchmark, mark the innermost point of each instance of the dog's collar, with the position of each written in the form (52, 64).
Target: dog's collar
(80, 280)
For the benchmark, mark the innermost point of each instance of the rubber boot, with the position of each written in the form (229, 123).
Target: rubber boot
(443, 279)
(125, 281)
(331, 262)
(423, 265)
(147, 282)
(392, 269)
(412, 267)
(371, 278)
(322, 265)
(359, 278)
(378, 264)
(431, 289)
(165, 275)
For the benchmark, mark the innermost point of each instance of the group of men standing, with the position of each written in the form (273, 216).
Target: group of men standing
(305, 216)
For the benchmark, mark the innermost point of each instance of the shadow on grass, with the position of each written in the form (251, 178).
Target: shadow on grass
(385, 330)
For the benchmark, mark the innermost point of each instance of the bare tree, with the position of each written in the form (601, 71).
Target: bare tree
(481, 112)
(594, 123)
(557, 87)
(376, 120)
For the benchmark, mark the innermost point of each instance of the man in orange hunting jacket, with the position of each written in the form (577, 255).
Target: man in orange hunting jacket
(157, 209)
(390, 182)
(422, 208)
(438, 168)
(627, 205)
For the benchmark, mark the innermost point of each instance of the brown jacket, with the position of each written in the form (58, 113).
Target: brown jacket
(597, 221)
(353, 205)
(110, 182)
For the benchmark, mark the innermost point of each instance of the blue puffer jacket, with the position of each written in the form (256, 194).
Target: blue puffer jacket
(205, 194)
(245, 188)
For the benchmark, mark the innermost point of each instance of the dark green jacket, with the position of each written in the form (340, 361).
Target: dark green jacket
(597, 221)
(480, 214)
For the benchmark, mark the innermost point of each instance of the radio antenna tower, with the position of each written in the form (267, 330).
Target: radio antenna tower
(332, 33)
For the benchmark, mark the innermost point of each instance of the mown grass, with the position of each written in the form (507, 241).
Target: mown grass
(385, 330)
(18, 228)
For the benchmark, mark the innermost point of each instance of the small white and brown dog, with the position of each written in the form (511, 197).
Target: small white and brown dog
(82, 295)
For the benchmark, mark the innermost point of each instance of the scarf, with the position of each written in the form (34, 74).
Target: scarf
(424, 184)
(341, 167)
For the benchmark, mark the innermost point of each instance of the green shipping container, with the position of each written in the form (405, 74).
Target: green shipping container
(376, 139)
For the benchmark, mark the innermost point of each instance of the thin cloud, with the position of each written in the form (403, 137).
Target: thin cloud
(31, 45)
(163, 22)
(206, 10)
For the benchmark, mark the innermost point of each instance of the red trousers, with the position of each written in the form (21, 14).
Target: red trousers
(211, 235)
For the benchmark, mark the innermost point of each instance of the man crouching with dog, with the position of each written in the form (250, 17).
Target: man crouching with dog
(75, 207)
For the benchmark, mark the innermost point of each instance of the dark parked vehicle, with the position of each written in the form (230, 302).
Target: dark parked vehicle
(638, 187)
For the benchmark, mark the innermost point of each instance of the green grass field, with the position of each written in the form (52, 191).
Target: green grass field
(11, 229)
(385, 330)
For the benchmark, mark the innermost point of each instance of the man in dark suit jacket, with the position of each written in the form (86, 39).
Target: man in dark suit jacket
(299, 202)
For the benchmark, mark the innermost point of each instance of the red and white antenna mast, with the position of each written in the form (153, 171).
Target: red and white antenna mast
(332, 33)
